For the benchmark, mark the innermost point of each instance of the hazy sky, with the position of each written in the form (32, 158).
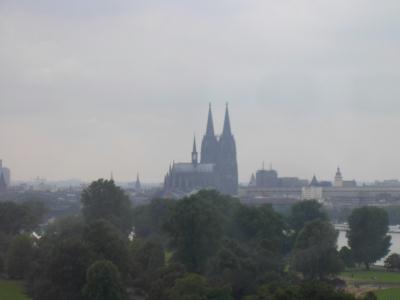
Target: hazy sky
(91, 86)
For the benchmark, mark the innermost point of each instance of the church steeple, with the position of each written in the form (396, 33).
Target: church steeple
(210, 123)
(209, 144)
(138, 185)
(194, 152)
(227, 123)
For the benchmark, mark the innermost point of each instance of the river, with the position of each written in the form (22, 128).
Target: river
(394, 248)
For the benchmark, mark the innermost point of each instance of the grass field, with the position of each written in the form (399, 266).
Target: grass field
(12, 290)
(388, 294)
(373, 276)
(386, 285)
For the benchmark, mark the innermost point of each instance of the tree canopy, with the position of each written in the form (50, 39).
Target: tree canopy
(104, 200)
(315, 253)
(367, 235)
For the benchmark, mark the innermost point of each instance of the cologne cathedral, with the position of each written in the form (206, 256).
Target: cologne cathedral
(217, 168)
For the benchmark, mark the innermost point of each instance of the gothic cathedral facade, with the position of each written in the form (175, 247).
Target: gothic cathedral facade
(217, 168)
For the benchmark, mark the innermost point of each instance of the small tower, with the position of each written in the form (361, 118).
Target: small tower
(314, 182)
(194, 153)
(338, 178)
(252, 182)
(138, 185)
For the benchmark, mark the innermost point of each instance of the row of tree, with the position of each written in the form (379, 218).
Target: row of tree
(206, 246)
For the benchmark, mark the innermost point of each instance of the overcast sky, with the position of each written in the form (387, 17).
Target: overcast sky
(93, 86)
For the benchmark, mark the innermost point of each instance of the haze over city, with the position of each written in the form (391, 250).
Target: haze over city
(91, 87)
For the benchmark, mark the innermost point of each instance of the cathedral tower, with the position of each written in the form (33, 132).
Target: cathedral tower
(209, 145)
(194, 153)
(227, 162)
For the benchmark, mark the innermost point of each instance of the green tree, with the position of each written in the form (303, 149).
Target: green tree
(107, 243)
(195, 228)
(306, 211)
(19, 256)
(195, 287)
(164, 279)
(103, 282)
(148, 256)
(392, 262)
(367, 236)
(260, 223)
(104, 200)
(315, 253)
(346, 256)
(65, 272)
(16, 218)
(149, 220)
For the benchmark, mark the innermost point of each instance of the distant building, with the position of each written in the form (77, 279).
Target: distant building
(339, 182)
(5, 173)
(217, 168)
(267, 178)
(315, 183)
(270, 179)
(138, 185)
(314, 191)
(252, 181)
(338, 179)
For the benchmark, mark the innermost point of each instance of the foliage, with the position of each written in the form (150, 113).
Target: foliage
(104, 200)
(148, 220)
(367, 236)
(103, 282)
(60, 269)
(315, 253)
(15, 218)
(147, 257)
(19, 256)
(67, 268)
(392, 262)
(195, 228)
(164, 279)
(195, 287)
(107, 243)
(346, 256)
(258, 223)
(306, 211)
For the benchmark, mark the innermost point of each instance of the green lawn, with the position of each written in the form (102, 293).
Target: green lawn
(389, 294)
(373, 276)
(11, 290)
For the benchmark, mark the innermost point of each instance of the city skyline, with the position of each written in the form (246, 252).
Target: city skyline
(90, 88)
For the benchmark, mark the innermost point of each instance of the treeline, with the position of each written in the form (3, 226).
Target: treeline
(341, 214)
(205, 246)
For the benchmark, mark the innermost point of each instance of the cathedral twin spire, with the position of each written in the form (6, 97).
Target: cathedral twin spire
(227, 123)
(210, 123)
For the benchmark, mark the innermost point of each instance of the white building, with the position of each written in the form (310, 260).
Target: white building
(312, 193)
